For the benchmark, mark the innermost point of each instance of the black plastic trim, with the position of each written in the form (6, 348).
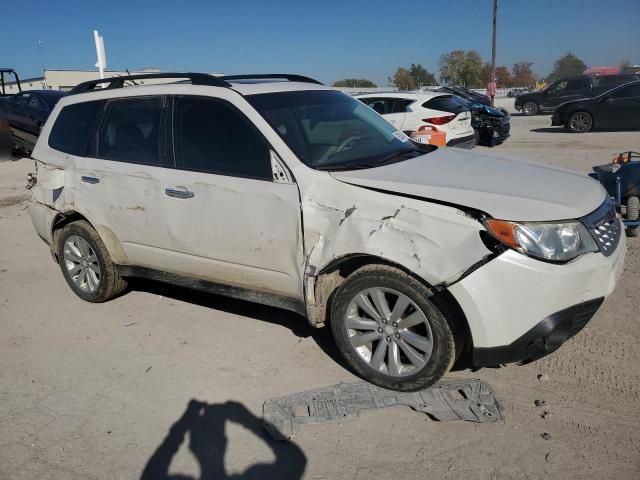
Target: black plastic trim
(272, 76)
(118, 82)
(263, 298)
(195, 78)
(543, 339)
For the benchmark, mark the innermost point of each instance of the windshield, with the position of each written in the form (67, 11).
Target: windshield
(329, 130)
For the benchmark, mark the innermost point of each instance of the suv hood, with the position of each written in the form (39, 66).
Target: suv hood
(504, 189)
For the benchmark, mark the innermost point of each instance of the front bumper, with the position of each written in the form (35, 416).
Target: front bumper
(463, 142)
(555, 121)
(509, 296)
(546, 337)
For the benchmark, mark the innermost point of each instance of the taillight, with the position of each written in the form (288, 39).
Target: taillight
(439, 120)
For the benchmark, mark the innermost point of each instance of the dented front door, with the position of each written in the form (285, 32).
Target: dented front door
(228, 220)
(236, 231)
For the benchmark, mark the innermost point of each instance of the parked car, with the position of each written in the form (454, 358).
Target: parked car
(618, 108)
(293, 194)
(408, 111)
(26, 112)
(492, 126)
(566, 89)
(466, 93)
(514, 92)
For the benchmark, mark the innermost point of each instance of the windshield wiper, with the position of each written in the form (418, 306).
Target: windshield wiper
(374, 163)
(345, 166)
(396, 155)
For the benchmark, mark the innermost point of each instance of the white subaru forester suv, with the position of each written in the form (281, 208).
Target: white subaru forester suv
(279, 190)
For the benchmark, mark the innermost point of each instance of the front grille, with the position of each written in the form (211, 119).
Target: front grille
(604, 227)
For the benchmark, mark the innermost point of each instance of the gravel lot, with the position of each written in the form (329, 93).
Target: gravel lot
(98, 391)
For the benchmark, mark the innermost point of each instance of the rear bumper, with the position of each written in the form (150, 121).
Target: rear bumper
(42, 219)
(463, 142)
(546, 337)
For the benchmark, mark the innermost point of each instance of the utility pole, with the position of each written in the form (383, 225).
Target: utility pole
(492, 81)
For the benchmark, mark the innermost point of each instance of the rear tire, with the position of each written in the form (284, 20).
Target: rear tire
(530, 108)
(86, 264)
(633, 213)
(388, 330)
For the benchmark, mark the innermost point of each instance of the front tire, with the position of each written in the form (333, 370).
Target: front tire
(86, 264)
(389, 332)
(580, 122)
(530, 108)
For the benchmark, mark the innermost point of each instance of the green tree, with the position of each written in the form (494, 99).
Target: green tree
(522, 75)
(404, 80)
(421, 75)
(567, 66)
(355, 82)
(461, 67)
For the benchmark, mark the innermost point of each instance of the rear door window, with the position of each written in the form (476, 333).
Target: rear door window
(385, 106)
(213, 136)
(71, 131)
(377, 103)
(130, 131)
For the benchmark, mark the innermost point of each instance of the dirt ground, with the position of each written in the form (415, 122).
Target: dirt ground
(102, 391)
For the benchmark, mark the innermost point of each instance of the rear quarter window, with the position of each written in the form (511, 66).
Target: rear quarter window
(72, 128)
(446, 103)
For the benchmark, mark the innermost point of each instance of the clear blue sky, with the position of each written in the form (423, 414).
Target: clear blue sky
(325, 39)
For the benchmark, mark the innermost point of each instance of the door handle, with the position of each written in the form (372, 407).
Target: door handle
(91, 180)
(179, 192)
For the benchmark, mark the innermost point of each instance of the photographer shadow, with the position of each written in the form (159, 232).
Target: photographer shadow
(205, 424)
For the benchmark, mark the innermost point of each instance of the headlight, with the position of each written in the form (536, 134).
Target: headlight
(556, 242)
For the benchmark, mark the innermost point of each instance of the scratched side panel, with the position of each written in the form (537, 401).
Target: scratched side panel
(126, 204)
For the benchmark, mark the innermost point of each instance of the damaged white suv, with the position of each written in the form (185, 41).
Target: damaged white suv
(279, 190)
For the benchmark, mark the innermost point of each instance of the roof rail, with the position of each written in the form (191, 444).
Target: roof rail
(118, 82)
(272, 76)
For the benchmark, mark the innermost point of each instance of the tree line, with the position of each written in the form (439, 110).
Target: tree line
(466, 68)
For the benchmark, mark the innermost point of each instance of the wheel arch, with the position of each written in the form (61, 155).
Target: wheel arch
(108, 236)
(326, 282)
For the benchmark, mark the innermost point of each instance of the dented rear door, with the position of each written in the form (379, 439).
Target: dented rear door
(119, 181)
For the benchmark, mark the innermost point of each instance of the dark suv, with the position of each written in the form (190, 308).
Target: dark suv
(566, 89)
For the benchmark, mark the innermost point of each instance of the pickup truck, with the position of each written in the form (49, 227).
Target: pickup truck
(563, 90)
